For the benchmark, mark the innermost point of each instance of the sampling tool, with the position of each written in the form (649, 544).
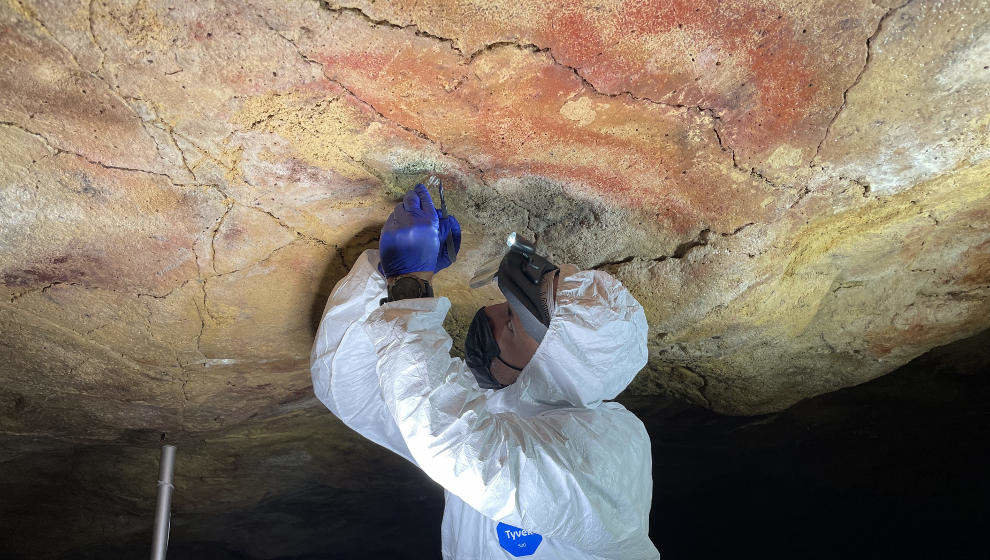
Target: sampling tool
(435, 182)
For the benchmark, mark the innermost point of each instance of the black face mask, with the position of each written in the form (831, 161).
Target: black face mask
(480, 349)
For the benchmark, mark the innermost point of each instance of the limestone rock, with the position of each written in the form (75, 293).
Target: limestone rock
(799, 194)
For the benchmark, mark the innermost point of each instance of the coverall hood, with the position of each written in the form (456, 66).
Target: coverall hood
(541, 468)
(594, 346)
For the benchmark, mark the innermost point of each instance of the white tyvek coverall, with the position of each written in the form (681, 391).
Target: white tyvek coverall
(545, 454)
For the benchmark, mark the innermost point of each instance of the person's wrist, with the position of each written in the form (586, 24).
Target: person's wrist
(425, 275)
(408, 286)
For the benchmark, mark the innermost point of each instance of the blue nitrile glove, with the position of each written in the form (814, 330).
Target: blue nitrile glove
(448, 226)
(410, 239)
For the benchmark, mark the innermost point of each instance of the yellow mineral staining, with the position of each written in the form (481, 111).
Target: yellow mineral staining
(228, 158)
(324, 131)
(25, 11)
(579, 110)
(786, 156)
(141, 25)
(800, 274)
(946, 194)
(981, 126)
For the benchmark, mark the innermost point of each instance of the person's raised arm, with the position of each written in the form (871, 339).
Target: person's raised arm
(342, 362)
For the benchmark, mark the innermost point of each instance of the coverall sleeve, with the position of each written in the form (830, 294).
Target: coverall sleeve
(342, 363)
(564, 474)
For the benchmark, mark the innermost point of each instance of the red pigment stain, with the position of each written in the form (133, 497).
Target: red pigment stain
(39, 276)
(880, 349)
(197, 31)
(366, 62)
(584, 42)
(917, 334)
(761, 39)
(401, 85)
(654, 183)
(515, 123)
(977, 265)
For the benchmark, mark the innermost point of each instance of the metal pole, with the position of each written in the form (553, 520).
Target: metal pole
(162, 510)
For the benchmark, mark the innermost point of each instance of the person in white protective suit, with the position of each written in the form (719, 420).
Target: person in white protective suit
(534, 460)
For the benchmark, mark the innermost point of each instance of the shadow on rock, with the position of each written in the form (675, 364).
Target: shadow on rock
(335, 269)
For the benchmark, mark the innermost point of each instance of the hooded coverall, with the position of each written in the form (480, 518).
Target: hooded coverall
(543, 468)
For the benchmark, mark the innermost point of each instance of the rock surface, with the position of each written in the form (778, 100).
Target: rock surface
(798, 193)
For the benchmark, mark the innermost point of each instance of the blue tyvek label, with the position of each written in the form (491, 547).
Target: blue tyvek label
(516, 541)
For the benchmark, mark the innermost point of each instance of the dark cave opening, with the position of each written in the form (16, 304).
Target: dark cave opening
(893, 467)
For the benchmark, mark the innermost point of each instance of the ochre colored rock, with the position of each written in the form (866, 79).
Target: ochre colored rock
(772, 74)
(799, 194)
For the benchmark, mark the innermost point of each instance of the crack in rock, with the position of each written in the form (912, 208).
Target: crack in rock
(337, 9)
(805, 191)
(168, 128)
(56, 151)
(92, 36)
(417, 133)
(213, 237)
(702, 239)
(859, 76)
(716, 124)
(137, 365)
(703, 389)
(31, 16)
(50, 285)
(468, 58)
